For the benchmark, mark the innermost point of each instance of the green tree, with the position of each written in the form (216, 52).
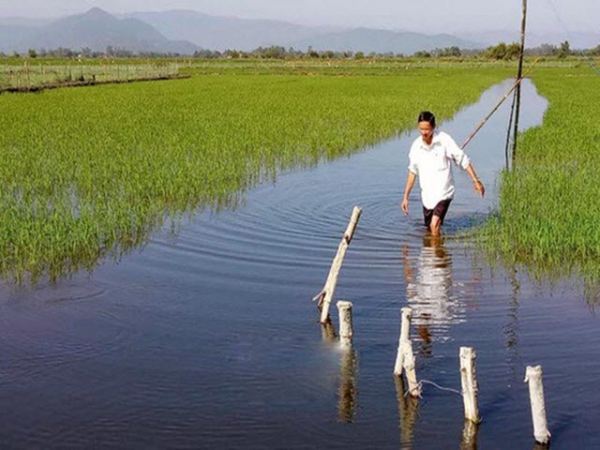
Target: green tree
(564, 50)
(422, 54)
(594, 51)
(503, 51)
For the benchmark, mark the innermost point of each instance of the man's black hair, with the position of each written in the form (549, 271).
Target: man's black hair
(427, 116)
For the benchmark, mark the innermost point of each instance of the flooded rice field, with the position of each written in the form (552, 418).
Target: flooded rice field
(209, 339)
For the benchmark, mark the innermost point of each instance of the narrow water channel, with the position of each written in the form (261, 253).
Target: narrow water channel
(209, 339)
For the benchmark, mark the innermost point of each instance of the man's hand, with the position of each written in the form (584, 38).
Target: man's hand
(404, 206)
(479, 188)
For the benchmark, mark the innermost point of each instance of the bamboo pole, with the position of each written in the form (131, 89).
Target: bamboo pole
(533, 376)
(507, 146)
(486, 118)
(404, 333)
(519, 75)
(326, 295)
(345, 315)
(469, 384)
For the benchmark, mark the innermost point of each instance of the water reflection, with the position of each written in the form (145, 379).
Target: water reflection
(408, 411)
(470, 435)
(511, 329)
(348, 391)
(429, 292)
(328, 331)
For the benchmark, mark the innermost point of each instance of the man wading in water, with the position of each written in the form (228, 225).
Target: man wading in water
(429, 158)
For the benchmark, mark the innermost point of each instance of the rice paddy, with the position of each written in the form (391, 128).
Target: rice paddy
(33, 74)
(548, 211)
(91, 173)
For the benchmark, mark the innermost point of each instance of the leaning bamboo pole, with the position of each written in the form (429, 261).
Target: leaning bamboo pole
(486, 118)
(326, 295)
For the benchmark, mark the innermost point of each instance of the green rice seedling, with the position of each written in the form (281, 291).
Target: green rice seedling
(548, 208)
(90, 173)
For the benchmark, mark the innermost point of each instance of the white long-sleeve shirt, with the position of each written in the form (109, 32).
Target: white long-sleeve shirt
(432, 164)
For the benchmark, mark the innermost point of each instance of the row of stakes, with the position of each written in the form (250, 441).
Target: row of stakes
(405, 359)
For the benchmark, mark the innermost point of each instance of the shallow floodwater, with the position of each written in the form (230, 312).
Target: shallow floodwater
(209, 339)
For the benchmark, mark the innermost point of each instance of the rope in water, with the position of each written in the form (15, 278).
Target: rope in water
(441, 388)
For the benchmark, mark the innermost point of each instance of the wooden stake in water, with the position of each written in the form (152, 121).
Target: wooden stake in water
(404, 333)
(326, 295)
(533, 376)
(345, 314)
(469, 384)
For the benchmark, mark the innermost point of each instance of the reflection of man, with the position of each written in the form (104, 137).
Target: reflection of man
(429, 292)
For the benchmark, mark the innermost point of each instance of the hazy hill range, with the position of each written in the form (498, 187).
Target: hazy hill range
(184, 31)
(223, 33)
(383, 41)
(95, 29)
(13, 37)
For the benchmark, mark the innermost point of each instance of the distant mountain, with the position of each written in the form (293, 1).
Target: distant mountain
(12, 37)
(223, 33)
(95, 29)
(184, 31)
(382, 41)
(24, 22)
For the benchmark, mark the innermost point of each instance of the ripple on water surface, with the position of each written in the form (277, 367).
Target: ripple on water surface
(209, 340)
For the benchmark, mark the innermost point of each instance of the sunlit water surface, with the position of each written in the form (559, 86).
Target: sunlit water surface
(209, 339)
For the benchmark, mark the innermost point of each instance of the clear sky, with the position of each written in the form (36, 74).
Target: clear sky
(427, 16)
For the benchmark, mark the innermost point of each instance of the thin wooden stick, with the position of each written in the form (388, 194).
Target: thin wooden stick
(326, 295)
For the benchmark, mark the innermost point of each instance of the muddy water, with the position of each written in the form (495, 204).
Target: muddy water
(210, 340)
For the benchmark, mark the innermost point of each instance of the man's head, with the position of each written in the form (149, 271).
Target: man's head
(426, 123)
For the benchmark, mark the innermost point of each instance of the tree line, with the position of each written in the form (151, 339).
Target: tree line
(501, 51)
